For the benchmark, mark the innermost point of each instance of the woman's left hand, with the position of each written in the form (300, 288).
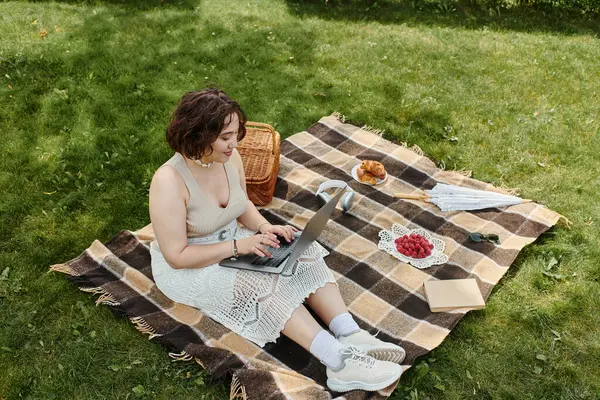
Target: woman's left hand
(287, 231)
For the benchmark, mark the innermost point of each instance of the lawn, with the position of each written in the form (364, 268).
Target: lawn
(86, 92)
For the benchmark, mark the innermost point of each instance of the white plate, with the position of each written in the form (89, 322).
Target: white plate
(355, 176)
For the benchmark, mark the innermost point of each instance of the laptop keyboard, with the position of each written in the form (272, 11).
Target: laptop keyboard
(284, 250)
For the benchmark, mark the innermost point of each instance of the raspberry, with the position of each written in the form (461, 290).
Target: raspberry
(413, 245)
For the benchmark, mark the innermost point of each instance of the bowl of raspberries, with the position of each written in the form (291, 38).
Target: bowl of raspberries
(414, 245)
(417, 247)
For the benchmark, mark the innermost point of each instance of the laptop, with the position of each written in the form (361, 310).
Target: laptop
(287, 253)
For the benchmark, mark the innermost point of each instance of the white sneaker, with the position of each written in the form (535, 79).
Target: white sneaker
(360, 371)
(374, 347)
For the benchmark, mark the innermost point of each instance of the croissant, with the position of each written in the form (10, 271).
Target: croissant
(374, 167)
(365, 176)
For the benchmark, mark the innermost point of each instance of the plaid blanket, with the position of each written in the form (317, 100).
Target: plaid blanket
(382, 293)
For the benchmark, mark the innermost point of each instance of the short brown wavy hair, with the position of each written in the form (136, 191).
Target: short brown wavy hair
(199, 119)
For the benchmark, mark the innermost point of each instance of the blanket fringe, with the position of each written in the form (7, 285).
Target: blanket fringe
(94, 290)
(153, 335)
(183, 356)
(200, 363)
(379, 132)
(511, 191)
(565, 221)
(339, 117)
(464, 172)
(367, 128)
(238, 391)
(414, 148)
(144, 327)
(108, 299)
(105, 297)
(64, 268)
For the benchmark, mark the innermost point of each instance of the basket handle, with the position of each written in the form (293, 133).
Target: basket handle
(260, 125)
(266, 127)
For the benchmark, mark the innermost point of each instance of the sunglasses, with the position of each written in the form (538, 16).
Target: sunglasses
(480, 237)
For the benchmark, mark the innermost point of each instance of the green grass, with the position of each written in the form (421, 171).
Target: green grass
(512, 94)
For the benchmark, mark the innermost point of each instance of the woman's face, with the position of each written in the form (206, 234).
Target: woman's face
(226, 142)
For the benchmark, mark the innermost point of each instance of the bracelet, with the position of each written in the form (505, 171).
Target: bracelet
(260, 226)
(234, 249)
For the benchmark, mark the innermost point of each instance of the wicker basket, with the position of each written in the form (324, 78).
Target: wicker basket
(260, 154)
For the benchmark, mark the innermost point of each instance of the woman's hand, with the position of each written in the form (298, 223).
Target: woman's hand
(287, 231)
(258, 244)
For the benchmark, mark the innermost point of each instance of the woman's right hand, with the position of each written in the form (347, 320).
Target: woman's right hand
(258, 244)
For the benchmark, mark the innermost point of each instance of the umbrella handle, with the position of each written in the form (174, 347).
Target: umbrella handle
(422, 197)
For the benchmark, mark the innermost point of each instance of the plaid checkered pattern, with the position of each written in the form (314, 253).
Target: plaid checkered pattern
(381, 292)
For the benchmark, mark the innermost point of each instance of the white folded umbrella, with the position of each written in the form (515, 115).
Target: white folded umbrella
(454, 198)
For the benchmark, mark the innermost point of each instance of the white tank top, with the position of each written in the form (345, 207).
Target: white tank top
(204, 215)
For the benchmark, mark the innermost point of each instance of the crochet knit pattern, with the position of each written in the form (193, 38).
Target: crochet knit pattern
(255, 305)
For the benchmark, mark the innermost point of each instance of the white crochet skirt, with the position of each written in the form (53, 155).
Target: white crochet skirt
(255, 305)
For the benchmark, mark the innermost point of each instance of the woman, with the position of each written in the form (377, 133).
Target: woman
(197, 199)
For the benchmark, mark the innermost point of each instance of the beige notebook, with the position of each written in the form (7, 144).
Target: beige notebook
(451, 294)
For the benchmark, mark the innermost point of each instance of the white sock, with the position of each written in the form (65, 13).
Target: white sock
(327, 349)
(343, 325)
